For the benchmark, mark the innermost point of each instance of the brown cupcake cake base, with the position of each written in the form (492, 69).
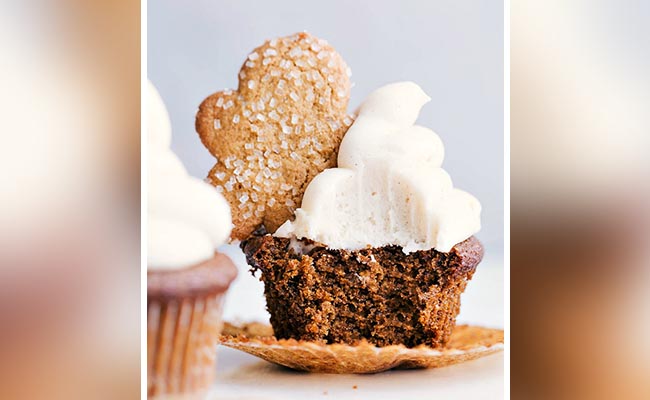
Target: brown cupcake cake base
(378, 295)
(184, 310)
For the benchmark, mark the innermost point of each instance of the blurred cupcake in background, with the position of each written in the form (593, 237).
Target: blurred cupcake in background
(186, 277)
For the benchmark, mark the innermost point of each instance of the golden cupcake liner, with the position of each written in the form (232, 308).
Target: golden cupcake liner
(182, 338)
(466, 343)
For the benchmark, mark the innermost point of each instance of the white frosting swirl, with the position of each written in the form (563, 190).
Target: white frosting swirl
(187, 218)
(389, 187)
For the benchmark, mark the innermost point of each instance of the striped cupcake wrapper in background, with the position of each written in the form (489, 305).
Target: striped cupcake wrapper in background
(182, 338)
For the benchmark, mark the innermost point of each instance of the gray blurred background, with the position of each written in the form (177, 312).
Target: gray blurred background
(452, 49)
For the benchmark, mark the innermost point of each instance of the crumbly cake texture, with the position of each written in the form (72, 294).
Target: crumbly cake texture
(466, 343)
(377, 294)
(279, 129)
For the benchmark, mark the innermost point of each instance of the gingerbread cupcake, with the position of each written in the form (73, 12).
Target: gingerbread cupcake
(382, 247)
(186, 278)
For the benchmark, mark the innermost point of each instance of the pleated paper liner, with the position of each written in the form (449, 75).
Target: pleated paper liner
(181, 344)
(466, 343)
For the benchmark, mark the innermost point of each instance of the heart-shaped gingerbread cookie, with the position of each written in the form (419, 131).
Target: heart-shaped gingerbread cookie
(279, 129)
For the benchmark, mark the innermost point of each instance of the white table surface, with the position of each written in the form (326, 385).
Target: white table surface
(242, 376)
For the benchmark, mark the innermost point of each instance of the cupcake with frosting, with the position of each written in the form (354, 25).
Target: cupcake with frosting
(382, 246)
(186, 277)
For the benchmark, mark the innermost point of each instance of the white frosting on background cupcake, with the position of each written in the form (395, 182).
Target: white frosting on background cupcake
(389, 187)
(187, 218)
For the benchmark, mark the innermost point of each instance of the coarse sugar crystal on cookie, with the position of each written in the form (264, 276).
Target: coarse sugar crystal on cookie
(278, 130)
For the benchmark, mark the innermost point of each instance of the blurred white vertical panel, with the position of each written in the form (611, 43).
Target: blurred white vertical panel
(580, 95)
(580, 129)
(69, 199)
